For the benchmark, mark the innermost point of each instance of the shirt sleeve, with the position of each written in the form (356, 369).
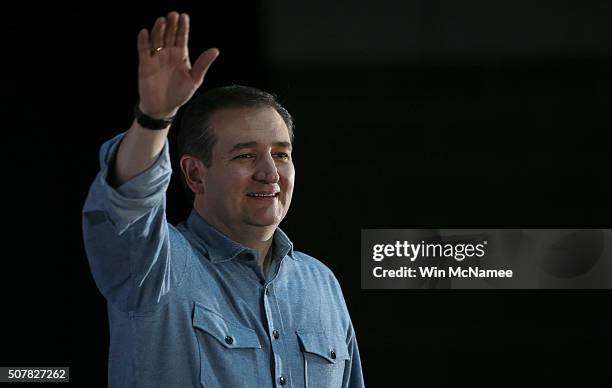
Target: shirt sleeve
(126, 235)
(353, 375)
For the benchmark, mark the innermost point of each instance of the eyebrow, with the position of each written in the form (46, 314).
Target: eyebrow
(250, 144)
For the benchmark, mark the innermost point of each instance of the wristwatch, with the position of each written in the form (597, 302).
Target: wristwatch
(149, 122)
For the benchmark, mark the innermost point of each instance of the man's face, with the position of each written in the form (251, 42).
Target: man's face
(250, 179)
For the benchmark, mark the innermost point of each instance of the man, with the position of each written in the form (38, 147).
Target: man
(222, 299)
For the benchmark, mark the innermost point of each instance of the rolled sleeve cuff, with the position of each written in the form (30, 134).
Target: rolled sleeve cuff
(129, 202)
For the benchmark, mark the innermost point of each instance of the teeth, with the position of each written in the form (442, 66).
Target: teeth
(262, 195)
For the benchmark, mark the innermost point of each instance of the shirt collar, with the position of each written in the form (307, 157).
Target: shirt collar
(221, 248)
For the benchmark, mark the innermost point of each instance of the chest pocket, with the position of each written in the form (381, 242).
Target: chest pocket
(324, 359)
(229, 352)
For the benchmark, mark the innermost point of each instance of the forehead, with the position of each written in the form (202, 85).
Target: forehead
(260, 124)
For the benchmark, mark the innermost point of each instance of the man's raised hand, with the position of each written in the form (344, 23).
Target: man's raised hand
(166, 78)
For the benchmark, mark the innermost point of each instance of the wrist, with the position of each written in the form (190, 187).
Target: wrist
(153, 122)
(156, 115)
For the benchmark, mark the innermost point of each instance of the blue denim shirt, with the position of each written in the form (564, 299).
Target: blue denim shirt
(188, 307)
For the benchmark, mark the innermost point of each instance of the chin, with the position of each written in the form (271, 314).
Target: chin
(264, 221)
(262, 224)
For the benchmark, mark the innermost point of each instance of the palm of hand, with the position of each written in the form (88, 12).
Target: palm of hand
(166, 79)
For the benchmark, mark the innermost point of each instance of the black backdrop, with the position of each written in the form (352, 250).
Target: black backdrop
(413, 114)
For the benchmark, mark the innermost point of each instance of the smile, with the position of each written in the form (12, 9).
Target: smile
(263, 195)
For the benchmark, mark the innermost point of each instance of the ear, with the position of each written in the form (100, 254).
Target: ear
(194, 172)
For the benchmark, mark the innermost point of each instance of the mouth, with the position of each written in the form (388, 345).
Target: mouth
(264, 195)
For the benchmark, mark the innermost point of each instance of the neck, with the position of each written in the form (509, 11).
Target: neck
(258, 238)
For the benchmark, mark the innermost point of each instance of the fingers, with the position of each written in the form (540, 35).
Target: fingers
(144, 48)
(169, 31)
(182, 34)
(171, 28)
(157, 34)
(201, 65)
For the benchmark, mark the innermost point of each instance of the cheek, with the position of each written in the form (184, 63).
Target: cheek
(228, 183)
(287, 177)
(286, 184)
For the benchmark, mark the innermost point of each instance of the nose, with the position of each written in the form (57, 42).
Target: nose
(266, 171)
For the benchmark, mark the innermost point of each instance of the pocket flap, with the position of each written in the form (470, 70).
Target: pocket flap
(229, 334)
(333, 349)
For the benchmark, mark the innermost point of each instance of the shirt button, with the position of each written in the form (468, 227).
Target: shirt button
(333, 355)
(267, 291)
(276, 334)
(282, 380)
(229, 340)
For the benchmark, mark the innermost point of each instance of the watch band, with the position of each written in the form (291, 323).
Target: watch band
(149, 122)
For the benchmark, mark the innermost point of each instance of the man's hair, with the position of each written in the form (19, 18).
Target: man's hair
(197, 137)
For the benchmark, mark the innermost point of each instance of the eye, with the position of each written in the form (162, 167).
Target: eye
(281, 155)
(244, 156)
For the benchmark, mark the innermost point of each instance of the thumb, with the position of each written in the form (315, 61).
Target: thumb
(201, 65)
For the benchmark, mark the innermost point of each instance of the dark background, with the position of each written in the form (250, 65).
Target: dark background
(409, 114)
